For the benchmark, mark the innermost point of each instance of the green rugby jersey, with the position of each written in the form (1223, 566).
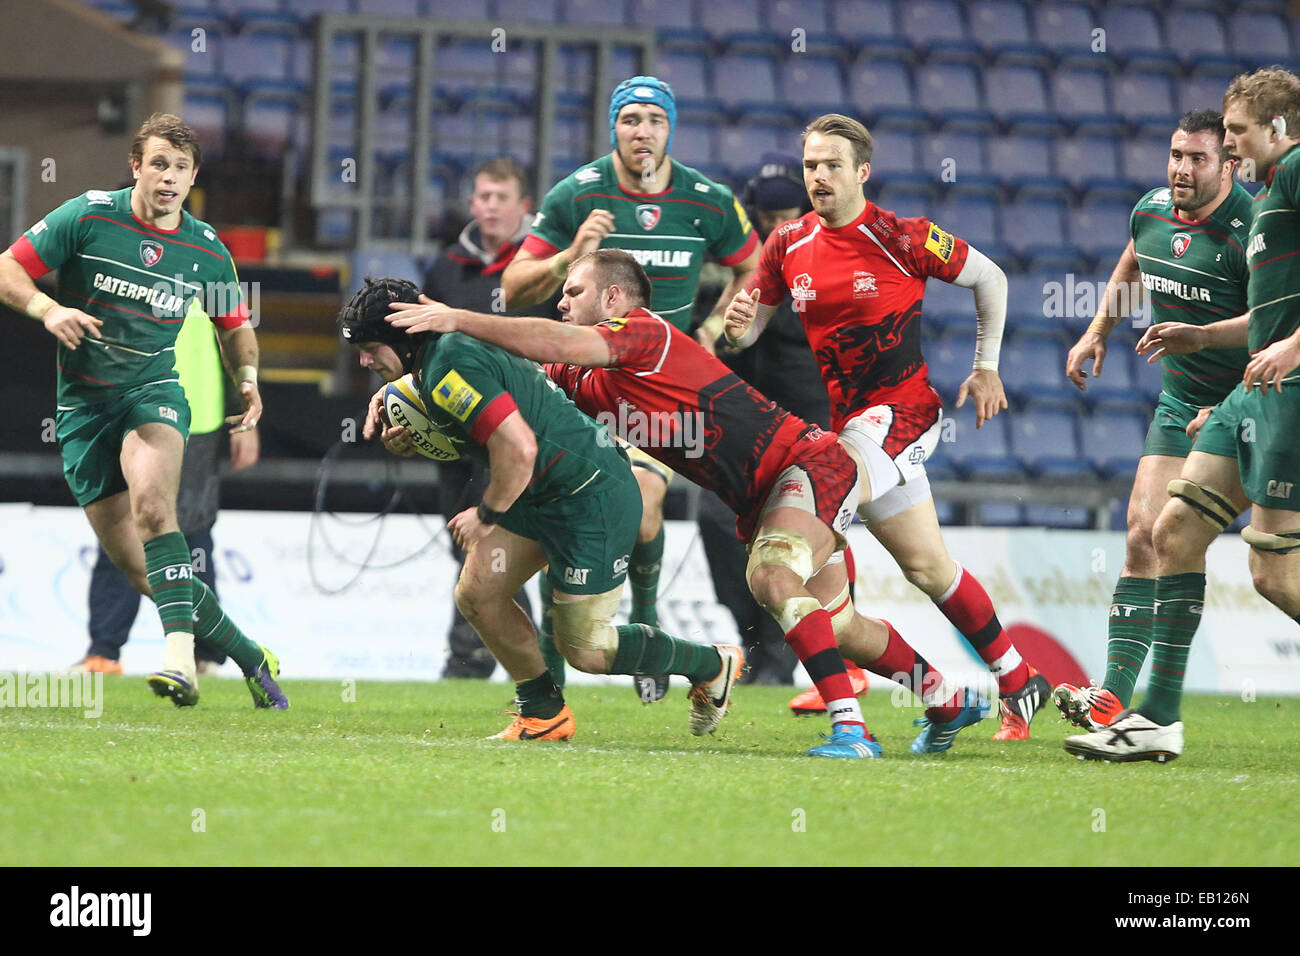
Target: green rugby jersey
(469, 387)
(670, 233)
(141, 281)
(1270, 253)
(1195, 272)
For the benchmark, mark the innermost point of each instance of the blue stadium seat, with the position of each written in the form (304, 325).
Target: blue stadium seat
(999, 514)
(784, 16)
(938, 28)
(1026, 304)
(695, 144)
(974, 219)
(1035, 231)
(519, 77)
(199, 64)
(1135, 36)
(1002, 30)
(377, 263)
(947, 511)
(745, 83)
(1144, 163)
(1017, 97)
(1095, 227)
(737, 24)
(241, 8)
(1082, 96)
(391, 8)
(881, 90)
(1047, 443)
(208, 113)
(738, 145)
(983, 453)
(306, 9)
(669, 15)
(461, 68)
(894, 158)
(961, 155)
(947, 306)
(592, 13)
(686, 73)
(951, 355)
(1113, 441)
(908, 199)
(273, 121)
(457, 9)
(1064, 28)
(1148, 101)
(257, 60)
(1033, 367)
(1023, 165)
(1199, 36)
(1198, 93)
(812, 85)
(526, 11)
(872, 27)
(1091, 164)
(950, 94)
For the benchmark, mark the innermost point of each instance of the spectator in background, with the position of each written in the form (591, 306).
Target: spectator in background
(468, 276)
(114, 603)
(782, 367)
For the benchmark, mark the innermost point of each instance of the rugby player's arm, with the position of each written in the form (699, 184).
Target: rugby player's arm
(529, 280)
(239, 353)
(19, 292)
(988, 283)
(1183, 338)
(1092, 344)
(741, 273)
(541, 340)
(512, 452)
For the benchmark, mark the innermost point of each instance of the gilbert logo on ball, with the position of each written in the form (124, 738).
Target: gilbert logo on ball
(404, 406)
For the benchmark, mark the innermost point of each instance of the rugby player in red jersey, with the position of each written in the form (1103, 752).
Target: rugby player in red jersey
(857, 275)
(792, 484)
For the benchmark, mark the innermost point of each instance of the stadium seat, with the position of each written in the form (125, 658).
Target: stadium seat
(738, 145)
(738, 25)
(980, 453)
(1112, 441)
(1033, 367)
(688, 74)
(1002, 30)
(999, 514)
(784, 16)
(1199, 36)
(950, 95)
(271, 121)
(813, 85)
(695, 144)
(746, 84)
(201, 64)
(881, 90)
(947, 306)
(974, 219)
(257, 60)
(462, 68)
(871, 27)
(1090, 164)
(1023, 166)
(1144, 163)
(592, 13)
(908, 199)
(953, 352)
(1047, 443)
(1133, 34)
(1095, 227)
(306, 9)
(668, 15)
(894, 158)
(1017, 98)
(937, 28)
(1064, 28)
(956, 161)
(1035, 231)
(1082, 97)
(1198, 93)
(1148, 102)
(525, 11)
(208, 113)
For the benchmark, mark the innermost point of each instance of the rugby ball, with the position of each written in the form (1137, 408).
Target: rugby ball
(403, 406)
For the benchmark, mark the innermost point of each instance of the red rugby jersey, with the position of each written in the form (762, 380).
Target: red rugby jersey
(858, 289)
(665, 394)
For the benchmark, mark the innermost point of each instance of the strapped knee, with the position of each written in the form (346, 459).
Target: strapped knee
(1284, 543)
(1210, 504)
(789, 549)
(584, 621)
(841, 610)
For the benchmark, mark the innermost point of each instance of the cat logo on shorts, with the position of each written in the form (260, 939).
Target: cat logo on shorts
(150, 251)
(168, 413)
(1179, 243)
(576, 575)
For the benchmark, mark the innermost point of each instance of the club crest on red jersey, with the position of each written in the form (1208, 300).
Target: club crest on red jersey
(802, 289)
(864, 285)
(150, 251)
(1179, 243)
(647, 216)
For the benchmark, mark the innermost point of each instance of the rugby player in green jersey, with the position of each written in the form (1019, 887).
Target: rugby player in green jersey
(1187, 248)
(668, 217)
(1245, 453)
(561, 497)
(132, 265)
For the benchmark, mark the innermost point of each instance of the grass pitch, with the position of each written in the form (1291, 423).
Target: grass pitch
(402, 776)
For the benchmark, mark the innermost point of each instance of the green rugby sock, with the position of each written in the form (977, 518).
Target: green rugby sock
(1132, 609)
(643, 574)
(643, 649)
(1178, 602)
(539, 697)
(213, 626)
(171, 580)
(551, 655)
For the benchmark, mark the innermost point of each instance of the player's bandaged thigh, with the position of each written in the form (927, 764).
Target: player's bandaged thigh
(897, 500)
(790, 550)
(841, 610)
(1285, 542)
(583, 620)
(1209, 504)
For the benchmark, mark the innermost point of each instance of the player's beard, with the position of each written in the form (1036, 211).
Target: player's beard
(1201, 195)
(648, 172)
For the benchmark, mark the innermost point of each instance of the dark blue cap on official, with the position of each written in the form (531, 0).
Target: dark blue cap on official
(643, 89)
(778, 184)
